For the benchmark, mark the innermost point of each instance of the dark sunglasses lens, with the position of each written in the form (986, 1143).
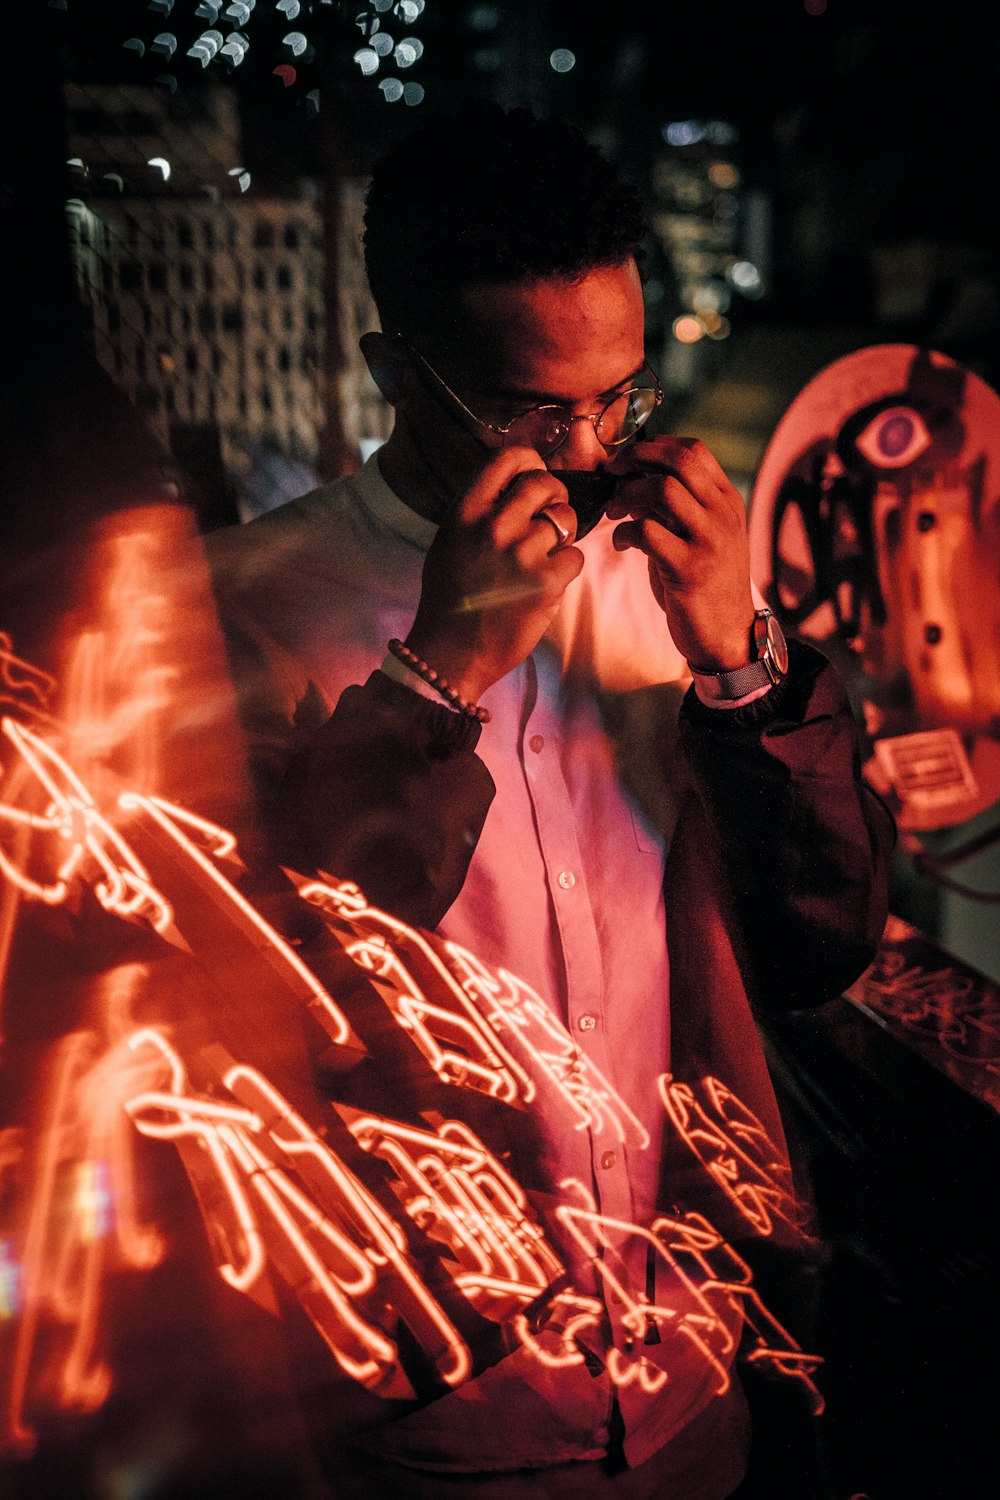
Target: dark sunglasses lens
(589, 494)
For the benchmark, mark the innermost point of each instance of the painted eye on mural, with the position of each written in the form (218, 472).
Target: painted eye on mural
(894, 438)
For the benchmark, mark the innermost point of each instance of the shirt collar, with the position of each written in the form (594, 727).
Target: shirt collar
(385, 505)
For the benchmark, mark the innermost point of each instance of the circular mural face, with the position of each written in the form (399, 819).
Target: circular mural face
(875, 533)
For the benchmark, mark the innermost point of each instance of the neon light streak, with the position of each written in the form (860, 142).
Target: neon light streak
(144, 1110)
(461, 1196)
(62, 1269)
(311, 1249)
(735, 1150)
(74, 820)
(625, 1371)
(21, 683)
(386, 1242)
(521, 1014)
(569, 1314)
(774, 1346)
(516, 1016)
(10, 905)
(273, 948)
(486, 1064)
(225, 1134)
(694, 1317)
(276, 1194)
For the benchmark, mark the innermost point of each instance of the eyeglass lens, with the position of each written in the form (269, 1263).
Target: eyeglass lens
(546, 427)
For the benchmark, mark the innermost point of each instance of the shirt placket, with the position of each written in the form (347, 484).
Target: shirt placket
(575, 933)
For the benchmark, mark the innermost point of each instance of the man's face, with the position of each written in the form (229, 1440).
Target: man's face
(568, 343)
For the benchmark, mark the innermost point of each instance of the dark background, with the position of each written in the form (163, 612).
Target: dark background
(868, 126)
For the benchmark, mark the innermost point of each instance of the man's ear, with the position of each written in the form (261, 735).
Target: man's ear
(386, 364)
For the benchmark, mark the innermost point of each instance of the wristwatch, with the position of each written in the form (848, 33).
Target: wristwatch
(769, 666)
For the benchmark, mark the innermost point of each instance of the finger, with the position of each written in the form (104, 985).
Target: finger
(668, 505)
(528, 494)
(665, 548)
(562, 518)
(499, 475)
(557, 569)
(686, 459)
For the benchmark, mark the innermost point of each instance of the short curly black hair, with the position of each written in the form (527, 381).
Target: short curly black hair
(489, 195)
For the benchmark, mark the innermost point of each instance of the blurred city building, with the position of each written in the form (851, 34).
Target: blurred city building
(208, 302)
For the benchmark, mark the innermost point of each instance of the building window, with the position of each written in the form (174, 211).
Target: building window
(291, 236)
(157, 276)
(284, 278)
(232, 318)
(130, 276)
(263, 235)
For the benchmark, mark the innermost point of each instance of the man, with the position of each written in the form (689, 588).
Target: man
(513, 771)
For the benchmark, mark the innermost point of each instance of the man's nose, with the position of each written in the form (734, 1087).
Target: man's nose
(581, 449)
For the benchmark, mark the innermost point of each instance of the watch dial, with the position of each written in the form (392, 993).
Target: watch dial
(777, 645)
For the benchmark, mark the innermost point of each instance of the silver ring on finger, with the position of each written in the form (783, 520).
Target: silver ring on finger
(562, 532)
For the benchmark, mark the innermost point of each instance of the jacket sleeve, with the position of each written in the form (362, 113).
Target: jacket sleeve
(388, 793)
(800, 844)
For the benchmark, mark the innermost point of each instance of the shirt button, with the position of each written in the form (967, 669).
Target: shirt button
(608, 1160)
(536, 743)
(587, 1023)
(566, 879)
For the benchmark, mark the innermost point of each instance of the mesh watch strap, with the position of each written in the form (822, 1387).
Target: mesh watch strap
(725, 686)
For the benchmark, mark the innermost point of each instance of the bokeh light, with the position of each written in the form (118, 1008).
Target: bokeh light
(687, 329)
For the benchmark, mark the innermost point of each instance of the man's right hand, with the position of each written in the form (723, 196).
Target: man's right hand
(495, 573)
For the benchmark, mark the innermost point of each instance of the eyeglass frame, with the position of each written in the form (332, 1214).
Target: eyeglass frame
(570, 417)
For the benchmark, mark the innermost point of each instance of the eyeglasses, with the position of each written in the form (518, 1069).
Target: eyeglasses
(546, 428)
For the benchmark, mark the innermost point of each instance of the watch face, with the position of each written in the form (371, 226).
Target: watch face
(777, 645)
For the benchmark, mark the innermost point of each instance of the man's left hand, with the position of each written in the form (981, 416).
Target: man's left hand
(690, 521)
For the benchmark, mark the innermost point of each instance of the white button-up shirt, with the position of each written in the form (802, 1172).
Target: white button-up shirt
(565, 890)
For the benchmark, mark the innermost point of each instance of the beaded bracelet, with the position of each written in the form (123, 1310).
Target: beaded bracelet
(437, 682)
